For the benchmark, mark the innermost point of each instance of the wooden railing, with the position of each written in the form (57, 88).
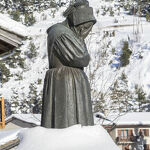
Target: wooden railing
(128, 139)
(124, 139)
(2, 113)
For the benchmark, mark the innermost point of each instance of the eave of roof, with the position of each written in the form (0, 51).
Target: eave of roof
(10, 37)
(12, 26)
(134, 118)
(133, 126)
(24, 119)
(8, 121)
(12, 32)
(8, 42)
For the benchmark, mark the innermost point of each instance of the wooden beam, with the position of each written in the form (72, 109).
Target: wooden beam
(9, 41)
(11, 144)
(11, 36)
(2, 51)
(2, 109)
(4, 48)
(11, 32)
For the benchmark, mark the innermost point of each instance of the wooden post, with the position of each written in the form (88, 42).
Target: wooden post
(2, 109)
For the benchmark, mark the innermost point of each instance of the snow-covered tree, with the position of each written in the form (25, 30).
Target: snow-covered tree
(120, 95)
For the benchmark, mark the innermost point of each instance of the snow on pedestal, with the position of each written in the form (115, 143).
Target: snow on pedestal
(72, 138)
(7, 136)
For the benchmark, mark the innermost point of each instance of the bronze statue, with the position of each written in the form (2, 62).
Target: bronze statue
(66, 94)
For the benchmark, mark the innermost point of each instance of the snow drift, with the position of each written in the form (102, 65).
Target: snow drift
(72, 138)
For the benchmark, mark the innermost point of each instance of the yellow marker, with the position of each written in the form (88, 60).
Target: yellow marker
(2, 110)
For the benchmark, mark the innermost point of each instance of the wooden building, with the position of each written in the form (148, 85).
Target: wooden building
(11, 36)
(9, 41)
(130, 131)
(17, 121)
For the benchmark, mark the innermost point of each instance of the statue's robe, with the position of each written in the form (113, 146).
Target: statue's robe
(66, 93)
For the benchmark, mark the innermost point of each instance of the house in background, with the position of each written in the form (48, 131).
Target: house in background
(8, 41)
(11, 34)
(130, 131)
(17, 121)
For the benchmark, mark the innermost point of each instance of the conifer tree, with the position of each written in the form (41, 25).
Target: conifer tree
(120, 95)
(126, 53)
(34, 100)
(5, 72)
(140, 97)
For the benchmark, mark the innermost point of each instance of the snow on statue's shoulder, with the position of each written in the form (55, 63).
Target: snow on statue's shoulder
(72, 138)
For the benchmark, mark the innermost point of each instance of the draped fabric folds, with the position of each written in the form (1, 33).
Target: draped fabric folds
(66, 93)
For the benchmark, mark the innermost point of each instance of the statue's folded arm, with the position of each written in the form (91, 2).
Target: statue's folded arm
(71, 51)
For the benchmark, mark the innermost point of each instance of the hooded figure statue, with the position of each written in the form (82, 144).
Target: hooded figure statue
(66, 93)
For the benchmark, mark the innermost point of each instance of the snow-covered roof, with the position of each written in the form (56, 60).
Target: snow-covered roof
(29, 118)
(12, 26)
(134, 118)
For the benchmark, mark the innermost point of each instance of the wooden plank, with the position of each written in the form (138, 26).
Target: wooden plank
(0, 111)
(4, 48)
(3, 113)
(9, 41)
(6, 54)
(11, 36)
(12, 32)
(133, 126)
(2, 123)
(10, 144)
(2, 52)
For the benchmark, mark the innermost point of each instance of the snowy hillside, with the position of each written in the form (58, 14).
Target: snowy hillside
(116, 86)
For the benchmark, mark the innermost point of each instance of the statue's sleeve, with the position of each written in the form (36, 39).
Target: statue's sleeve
(70, 51)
